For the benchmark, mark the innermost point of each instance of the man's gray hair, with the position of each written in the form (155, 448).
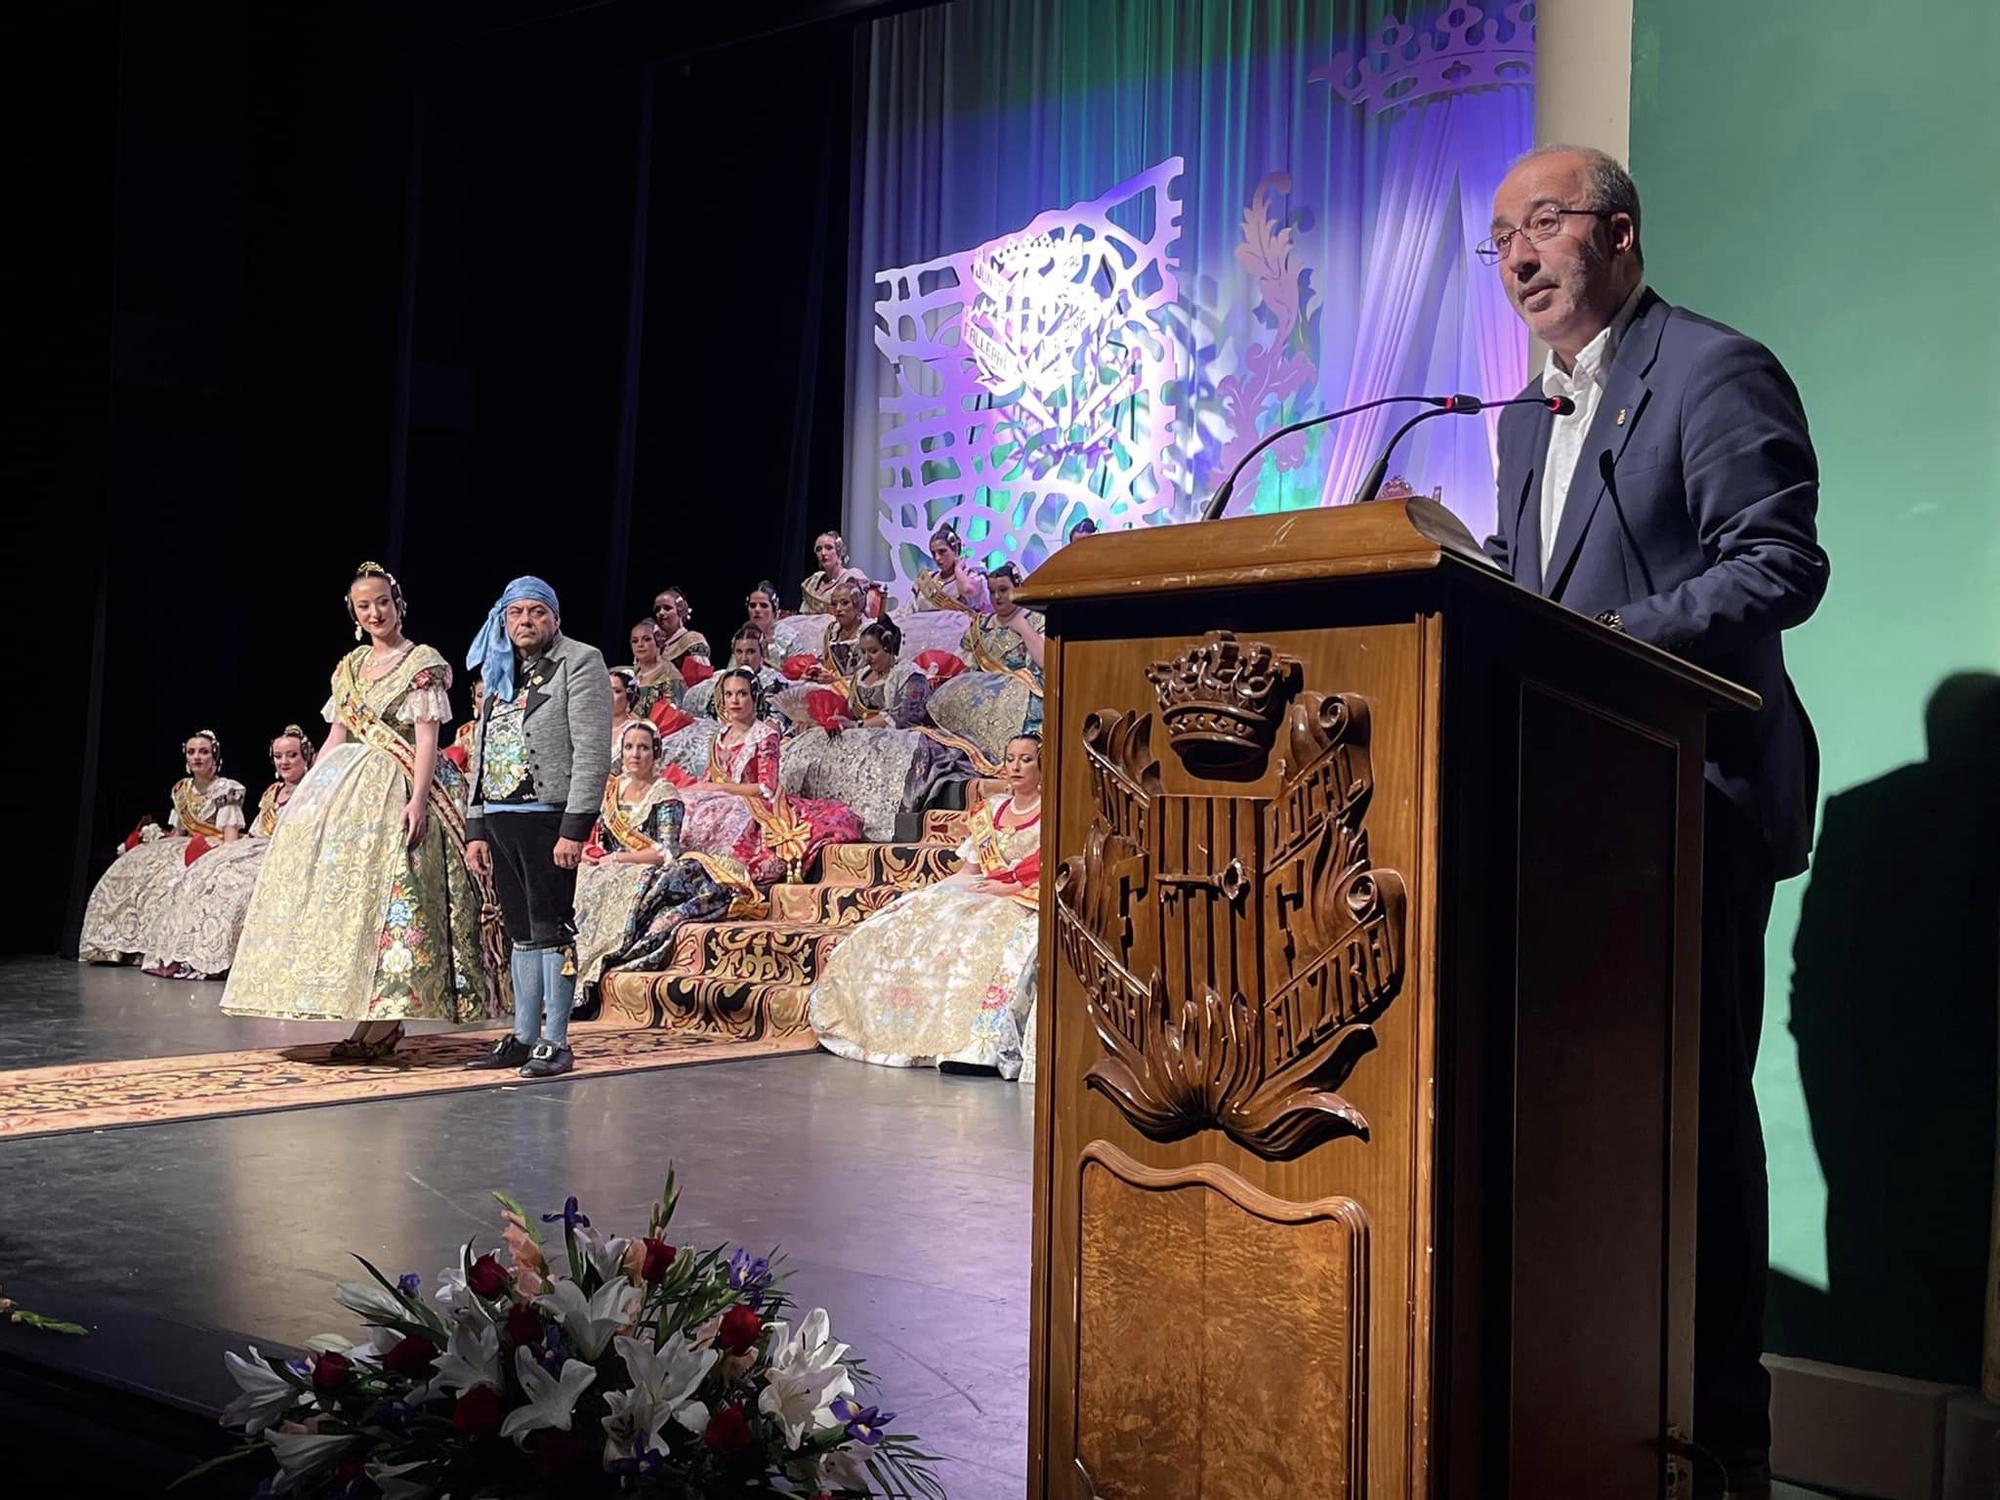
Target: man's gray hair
(1610, 186)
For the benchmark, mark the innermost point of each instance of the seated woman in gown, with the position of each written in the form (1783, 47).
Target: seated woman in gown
(678, 644)
(654, 678)
(738, 810)
(835, 568)
(195, 937)
(127, 903)
(746, 650)
(954, 583)
(1000, 695)
(839, 649)
(365, 910)
(946, 974)
(635, 887)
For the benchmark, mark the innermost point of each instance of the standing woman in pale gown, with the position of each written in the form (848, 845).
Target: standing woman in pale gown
(365, 910)
(128, 901)
(195, 936)
(945, 976)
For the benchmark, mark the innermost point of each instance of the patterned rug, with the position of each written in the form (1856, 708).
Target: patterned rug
(153, 1091)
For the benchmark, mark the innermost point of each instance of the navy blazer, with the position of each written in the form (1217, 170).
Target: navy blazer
(1693, 513)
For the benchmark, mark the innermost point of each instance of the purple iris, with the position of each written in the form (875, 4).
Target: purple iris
(864, 1423)
(750, 1275)
(571, 1219)
(409, 1283)
(643, 1461)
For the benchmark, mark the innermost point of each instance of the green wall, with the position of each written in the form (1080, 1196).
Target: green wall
(1822, 175)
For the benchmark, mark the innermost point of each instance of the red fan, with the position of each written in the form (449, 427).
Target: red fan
(798, 668)
(939, 666)
(138, 834)
(694, 669)
(666, 718)
(197, 847)
(828, 710)
(673, 773)
(457, 756)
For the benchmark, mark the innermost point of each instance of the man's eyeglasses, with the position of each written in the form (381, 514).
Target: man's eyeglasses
(1543, 224)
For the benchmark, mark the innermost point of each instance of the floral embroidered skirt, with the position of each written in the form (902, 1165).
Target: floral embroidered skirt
(944, 974)
(203, 916)
(127, 902)
(349, 923)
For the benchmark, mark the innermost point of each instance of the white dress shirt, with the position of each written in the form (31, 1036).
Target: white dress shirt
(1585, 386)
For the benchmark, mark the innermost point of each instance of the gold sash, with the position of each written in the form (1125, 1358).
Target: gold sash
(986, 661)
(930, 583)
(623, 829)
(981, 763)
(267, 811)
(192, 822)
(368, 726)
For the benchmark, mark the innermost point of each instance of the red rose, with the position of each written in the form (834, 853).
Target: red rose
(554, 1449)
(485, 1277)
(524, 1325)
(329, 1370)
(659, 1256)
(728, 1430)
(477, 1414)
(740, 1329)
(411, 1358)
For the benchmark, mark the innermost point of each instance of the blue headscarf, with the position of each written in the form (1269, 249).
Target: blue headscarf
(491, 652)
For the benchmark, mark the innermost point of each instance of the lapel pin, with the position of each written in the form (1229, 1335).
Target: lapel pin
(1619, 420)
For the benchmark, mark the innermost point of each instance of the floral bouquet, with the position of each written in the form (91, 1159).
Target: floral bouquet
(603, 1365)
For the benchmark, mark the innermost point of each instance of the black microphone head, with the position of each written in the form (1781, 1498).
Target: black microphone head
(1463, 404)
(1562, 406)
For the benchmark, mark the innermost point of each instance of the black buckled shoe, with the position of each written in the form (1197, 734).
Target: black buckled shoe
(548, 1060)
(509, 1052)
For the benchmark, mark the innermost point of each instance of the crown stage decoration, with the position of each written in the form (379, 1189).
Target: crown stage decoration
(1467, 47)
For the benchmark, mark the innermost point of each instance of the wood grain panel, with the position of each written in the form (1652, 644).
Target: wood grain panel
(1190, 1283)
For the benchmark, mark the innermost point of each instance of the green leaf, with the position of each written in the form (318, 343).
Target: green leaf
(527, 1220)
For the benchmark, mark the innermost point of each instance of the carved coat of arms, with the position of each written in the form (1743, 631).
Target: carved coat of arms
(1234, 951)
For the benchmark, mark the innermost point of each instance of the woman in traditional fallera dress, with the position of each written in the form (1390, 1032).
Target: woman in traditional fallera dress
(816, 591)
(125, 907)
(954, 583)
(195, 936)
(739, 812)
(654, 678)
(946, 975)
(678, 644)
(635, 887)
(365, 910)
(746, 650)
(1001, 695)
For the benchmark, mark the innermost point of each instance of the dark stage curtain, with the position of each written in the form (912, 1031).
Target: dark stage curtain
(316, 294)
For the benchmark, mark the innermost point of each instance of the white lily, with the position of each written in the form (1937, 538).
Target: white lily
(663, 1383)
(452, 1294)
(607, 1255)
(395, 1483)
(845, 1468)
(551, 1398)
(805, 1377)
(372, 1303)
(263, 1395)
(371, 1349)
(299, 1452)
(591, 1322)
(472, 1357)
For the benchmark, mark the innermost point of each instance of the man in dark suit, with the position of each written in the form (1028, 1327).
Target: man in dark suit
(1678, 504)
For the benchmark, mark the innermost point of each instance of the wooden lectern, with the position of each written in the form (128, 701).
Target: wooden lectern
(1365, 1129)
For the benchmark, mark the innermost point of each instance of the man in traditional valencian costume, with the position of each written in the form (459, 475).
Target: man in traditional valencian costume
(539, 760)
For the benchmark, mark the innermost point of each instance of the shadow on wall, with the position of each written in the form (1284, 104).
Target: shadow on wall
(1895, 986)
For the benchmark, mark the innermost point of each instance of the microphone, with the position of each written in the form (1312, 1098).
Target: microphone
(1450, 406)
(1220, 501)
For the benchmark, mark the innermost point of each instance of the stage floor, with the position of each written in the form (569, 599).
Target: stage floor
(902, 1197)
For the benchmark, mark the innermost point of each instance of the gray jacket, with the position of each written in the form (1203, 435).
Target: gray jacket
(567, 724)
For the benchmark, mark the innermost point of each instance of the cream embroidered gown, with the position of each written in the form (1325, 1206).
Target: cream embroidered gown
(203, 916)
(348, 922)
(946, 973)
(127, 903)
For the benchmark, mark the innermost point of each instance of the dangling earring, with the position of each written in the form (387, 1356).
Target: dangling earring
(360, 634)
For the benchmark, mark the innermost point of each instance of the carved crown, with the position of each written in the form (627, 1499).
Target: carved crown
(1222, 700)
